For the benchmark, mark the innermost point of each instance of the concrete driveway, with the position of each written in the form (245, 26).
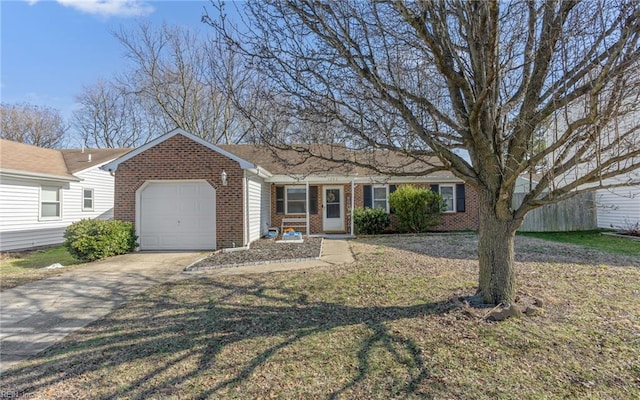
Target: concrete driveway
(36, 315)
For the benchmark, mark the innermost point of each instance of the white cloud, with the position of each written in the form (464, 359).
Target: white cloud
(108, 8)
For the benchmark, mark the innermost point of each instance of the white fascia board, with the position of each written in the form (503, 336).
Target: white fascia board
(293, 179)
(113, 165)
(409, 179)
(96, 166)
(288, 179)
(260, 172)
(34, 175)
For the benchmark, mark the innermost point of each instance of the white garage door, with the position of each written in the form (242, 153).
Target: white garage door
(177, 216)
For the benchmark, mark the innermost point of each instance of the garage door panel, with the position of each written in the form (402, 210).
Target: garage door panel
(177, 216)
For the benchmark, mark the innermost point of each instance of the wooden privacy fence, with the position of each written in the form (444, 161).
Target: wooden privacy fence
(575, 214)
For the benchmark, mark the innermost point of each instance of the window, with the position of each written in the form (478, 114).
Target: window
(50, 202)
(377, 196)
(87, 199)
(448, 194)
(296, 200)
(380, 197)
(292, 199)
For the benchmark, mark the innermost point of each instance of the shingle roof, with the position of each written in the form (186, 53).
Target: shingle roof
(343, 161)
(20, 157)
(78, 159)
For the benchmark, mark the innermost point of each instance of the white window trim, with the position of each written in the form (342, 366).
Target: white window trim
(93, 199)
(286, 199)
(56, 218)
(386, 196)
(453, 191)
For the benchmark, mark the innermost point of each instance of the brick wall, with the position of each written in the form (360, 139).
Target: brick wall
(450, 221)
(180, 158)
(315, 220)
(457, 221)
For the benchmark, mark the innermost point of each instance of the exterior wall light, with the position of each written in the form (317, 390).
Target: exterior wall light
(223, 177)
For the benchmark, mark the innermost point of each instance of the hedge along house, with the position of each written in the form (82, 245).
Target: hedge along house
(184, 193)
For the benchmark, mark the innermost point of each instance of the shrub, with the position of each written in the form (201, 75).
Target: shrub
(368, 221)
(417, 210)
(94, 239)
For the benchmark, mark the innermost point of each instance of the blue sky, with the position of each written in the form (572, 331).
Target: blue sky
(50, 49)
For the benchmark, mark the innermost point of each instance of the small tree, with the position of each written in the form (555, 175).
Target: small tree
(417, 210)
(370, 221)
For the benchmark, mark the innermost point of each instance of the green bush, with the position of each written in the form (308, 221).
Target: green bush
(94, 239)
(417, 210)
(368, 221)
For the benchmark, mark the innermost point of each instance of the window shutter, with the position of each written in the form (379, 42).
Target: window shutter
(435, 188)
(367, 196)
(313, 199)
(279, 199)
(460, 197)
(392, 188)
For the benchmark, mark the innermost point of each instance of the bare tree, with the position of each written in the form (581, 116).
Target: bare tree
(447, 78)
(108, 116)
(188, 81)
(31, 124)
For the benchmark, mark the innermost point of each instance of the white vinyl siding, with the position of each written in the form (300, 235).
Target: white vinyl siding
(265, 213)
(20, 207)
(254, 203)
(618, 208)
(101, 183)
(448, 193)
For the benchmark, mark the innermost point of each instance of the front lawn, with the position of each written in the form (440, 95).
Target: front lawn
(28, 266)
(390, 325)
(591, 239)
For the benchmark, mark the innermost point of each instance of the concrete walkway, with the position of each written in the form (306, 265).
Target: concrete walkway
(39, 314)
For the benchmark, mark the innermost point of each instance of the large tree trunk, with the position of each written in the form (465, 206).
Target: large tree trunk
(496, 254)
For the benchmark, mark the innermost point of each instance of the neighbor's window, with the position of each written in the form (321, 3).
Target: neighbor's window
(87, 199)
(448, 194)
(380, 196)
(50, 202)
(296, 200)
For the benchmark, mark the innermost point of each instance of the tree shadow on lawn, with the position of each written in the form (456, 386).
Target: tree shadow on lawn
(191, 342)
(527, 249)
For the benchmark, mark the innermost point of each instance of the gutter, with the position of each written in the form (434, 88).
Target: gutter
(34, 175)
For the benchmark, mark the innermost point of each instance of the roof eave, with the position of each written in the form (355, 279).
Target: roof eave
(371, 179)
(39, 176)
(113, 165)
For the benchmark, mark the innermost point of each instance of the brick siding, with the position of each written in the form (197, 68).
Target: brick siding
(454, 221)
(180, 158)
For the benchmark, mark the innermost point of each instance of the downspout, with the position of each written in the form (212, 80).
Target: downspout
(353, 203)
(307, 207)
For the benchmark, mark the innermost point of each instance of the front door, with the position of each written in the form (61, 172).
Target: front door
(333, 209)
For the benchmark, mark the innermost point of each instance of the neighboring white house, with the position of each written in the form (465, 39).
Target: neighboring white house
(42, 191)
(618, 208)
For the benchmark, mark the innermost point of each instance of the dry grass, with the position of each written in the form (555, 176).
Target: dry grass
(383, 327)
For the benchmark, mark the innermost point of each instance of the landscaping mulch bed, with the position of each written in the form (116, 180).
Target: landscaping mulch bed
(261, 252)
